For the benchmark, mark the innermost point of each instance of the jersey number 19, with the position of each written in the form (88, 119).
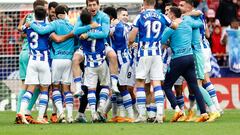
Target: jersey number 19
(152, 27)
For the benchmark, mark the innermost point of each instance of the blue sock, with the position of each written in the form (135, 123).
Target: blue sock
(180, 101)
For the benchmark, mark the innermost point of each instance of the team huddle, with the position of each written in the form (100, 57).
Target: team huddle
(127, 67)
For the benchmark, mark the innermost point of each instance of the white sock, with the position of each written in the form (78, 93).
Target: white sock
(114, 80)
(141, 101)
(108, 106)
(69, 103)
(120, 106)
(103, 98)
(135, 109)
(121, 111)
(159, 99)
(43, 102)
(92, 101)
(28, 112)
(114, 105)
(212, 108)
(150, 111)
(127, 102)
(78, 83)
(177, 109)
(25, 102)
(57, 98)
(212, 92)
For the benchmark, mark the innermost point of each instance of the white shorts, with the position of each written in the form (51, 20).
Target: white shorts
(108, 49)
(147, 80)
(150, 65)
(131, 76)
(38, 72)
(92, 75)
(179, 81)
(124, 74)
(79, 51)
(61, 71)
(207, 56)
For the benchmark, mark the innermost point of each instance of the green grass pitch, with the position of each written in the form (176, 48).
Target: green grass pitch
(228, 124)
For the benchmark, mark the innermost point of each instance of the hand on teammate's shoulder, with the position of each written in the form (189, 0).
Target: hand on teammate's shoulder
(94, 25)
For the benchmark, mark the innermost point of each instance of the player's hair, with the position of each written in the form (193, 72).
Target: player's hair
(45, 2)
(67, 8)
(191, 2)
(150, 2)
(52, 5)
(111, 11)
(171, 4)
(38, 3)
(176, 11)
(120, 9)
(86, 17)
(97, 1)
(40, 13)
(61, 9)
(196, 3)
(234, 20)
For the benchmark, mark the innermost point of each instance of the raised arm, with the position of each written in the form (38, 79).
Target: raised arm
(105, 29)
(43, 29)
(79, 28)
(22, 21)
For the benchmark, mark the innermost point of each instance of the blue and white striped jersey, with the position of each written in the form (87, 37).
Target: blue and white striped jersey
(150, 24)
(129, 26)
(62, 50)
(94, 50)
(38, 44)
(119, 42)
(166, 55)
(204, 41)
